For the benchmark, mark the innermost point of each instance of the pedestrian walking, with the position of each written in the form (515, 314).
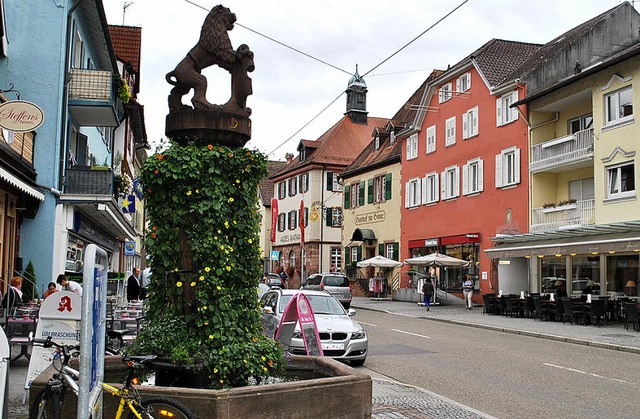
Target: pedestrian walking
(427, 291)
(133, 285)
(467, 290)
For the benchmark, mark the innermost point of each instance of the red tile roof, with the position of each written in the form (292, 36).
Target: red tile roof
(126, 42)
(266, 185)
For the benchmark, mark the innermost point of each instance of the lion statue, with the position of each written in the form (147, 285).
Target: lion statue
(213, 47)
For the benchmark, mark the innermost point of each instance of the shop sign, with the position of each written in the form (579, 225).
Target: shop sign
(371, 217)
(20, 116)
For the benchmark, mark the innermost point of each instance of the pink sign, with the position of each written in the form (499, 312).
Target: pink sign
(298, 310)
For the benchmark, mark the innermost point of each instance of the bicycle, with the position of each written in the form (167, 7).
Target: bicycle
(49, 402)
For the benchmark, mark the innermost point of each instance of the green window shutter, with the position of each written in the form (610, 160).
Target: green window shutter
(300, 185)
(347, 196)
(306, 182)
(361, 193)
(347, 255)
(328, 217)
(387, 185)
(330, 181)
(381, 249)
(306, 216)
(396, 251)
(370, 191)
(360, 252)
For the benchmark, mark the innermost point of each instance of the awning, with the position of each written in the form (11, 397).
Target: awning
(362, 234)
(616, 242)
(20, 184)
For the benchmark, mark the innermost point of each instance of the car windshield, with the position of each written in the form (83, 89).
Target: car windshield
(321, 304)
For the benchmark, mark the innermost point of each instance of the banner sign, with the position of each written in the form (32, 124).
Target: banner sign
(274, 219)
(298, 310)
(20, 116)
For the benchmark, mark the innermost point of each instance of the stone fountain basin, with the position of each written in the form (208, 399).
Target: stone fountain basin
(342, 392)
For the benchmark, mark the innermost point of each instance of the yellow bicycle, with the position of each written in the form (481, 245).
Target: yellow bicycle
(49, 403)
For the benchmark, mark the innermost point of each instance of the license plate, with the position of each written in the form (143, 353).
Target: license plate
(330, 346)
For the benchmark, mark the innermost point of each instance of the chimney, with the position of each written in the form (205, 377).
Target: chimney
(289, 157)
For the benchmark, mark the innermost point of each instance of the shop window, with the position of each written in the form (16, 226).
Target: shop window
(585, 272)
(622, 274)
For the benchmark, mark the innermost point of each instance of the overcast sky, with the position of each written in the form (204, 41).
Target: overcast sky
(290, 89)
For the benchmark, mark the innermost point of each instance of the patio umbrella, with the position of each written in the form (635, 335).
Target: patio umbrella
(437, 259)
(379, 262)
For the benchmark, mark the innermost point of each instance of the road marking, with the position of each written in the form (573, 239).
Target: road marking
(412, 334)
(587, 373)
(368, 324)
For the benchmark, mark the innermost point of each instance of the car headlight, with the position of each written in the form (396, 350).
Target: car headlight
(358, 335)
(297, 335)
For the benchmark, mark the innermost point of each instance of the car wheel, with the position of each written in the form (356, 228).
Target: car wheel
(357, 362)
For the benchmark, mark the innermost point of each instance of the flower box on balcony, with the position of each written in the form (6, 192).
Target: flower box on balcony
(559, 208)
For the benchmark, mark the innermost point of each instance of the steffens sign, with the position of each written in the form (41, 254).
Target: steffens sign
(20, 116)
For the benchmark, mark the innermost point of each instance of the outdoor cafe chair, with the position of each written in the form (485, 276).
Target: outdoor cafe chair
(540, 312)
(571, 311)
(18, 329)
(631, 316)
(596, 310)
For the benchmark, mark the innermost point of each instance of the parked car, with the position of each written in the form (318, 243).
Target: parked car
(262, 289)
(272, 279)
(337, 284)
(340, 337)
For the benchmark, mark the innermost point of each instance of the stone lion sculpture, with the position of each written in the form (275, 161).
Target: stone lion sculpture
(213, 47)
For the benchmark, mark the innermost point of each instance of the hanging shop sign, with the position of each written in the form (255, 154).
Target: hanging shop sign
(20, 116)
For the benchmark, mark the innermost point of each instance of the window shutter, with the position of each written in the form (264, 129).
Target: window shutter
(468, 77)
(409, 148)
(381, 249)
(407, 196)
(480, 175)
(517, 164)
(301, 183)
(370, 191)
(456, 185)
(443, 184)
(396, 251)
(424, 190)
(465, 125)
(306, 216)
(458, 85)
(328, 217)
(499, 112)
(473, 130)
(360, 253)
(330, 181)
(347, 256)
(436, 186)
(499, 171)
(306, 182)
(514, 100)
(347, 196)
(387, 186)
(465, 179)
(361, 193)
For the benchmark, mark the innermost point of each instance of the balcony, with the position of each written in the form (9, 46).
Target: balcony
(562, 217)
(91, 98)
(86, 180)
(564, 153)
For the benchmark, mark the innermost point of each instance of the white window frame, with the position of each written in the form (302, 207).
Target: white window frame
(613, 99)
(463, 83)
(445, 92)
(473, 177)
(508, 167)
(388, 250)
(450, 136)
(505, 114)
(470, 123)
(377, 142)
(450, 182)
(615, 184)
(354, 253)
(412, 193)
(336, 259)
(392, 137)
(412, 147)
(430, 188)
(431, 139)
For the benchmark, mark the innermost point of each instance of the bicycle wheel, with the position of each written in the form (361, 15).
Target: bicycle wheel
(44, 407)
(160, 408)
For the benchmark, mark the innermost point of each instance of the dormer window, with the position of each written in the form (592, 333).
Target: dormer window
(392, 138)
(377, 142)
(303, 153)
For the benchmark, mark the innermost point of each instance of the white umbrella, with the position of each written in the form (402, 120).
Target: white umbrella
(379, 262)
(437, 259)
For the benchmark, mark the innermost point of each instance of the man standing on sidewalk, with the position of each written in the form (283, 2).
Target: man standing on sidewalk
(467, 290)
(427, 291)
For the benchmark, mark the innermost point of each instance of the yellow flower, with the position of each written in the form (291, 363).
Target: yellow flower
(263, 358)
(201, 278)
(265, 369)
(226, 252)
(178, 284)
(188, 193)
(197, 190)
(215, 370)
(250, 241)
(222, 247)
(210, 336)
(237, 180)
(193, 284)
(234, 222)
(244, 360)
(219, 287)
(204, 308)
(219, 231)
(206, 322)
(226, 224)
(207, 269)
(231, 199)
(228, 268)
(176, 269)
(221, 381)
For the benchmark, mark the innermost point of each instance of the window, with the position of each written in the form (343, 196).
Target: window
(472, 177)
(78, 51)
(412, 147)
(430, 188)
(336, 259)
(282, 190)
(281, 221)
(582, 189)
(470, 123)
(463, 83)
(292, 220)
(412, 193)
(450, 137)
(334, 184)
(333, 217)
(445, 92)
(293, 186)
(580, 123)
(620, 181)
(292, 258)
(379, 189)
(619, 106)
(431, 139)
(303, 154)
(508, 167)
(391, 250)
(504, 112)
(451, 182)
(392, 137)
(304, 182)
(377, 142)
(354, 253)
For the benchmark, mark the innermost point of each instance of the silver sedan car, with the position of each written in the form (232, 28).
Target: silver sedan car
(341, 337)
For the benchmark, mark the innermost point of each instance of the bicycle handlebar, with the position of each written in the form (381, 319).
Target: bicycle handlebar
(48, 343)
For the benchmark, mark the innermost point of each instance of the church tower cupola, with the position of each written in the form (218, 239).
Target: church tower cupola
(357, 99)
